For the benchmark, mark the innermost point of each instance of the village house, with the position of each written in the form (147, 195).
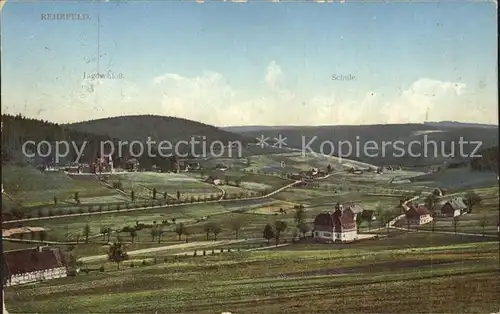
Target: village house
(339, 226)
(221, 167)
(418, 215)
(295, 177)
(31, 265)
(438, 192)
(24, 230)
(213, 180)
(451, 208)
(366, 214)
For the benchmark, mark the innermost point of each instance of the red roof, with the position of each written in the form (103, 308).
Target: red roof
(338, 220)
(417, 211)
(25, 261)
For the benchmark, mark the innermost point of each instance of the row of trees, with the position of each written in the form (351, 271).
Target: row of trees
(18, 213)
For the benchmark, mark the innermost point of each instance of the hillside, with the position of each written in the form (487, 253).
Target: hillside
(17, 130)
(159, 128)
(299, 137)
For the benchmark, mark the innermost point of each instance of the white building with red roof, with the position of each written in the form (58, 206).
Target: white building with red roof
(339, 226)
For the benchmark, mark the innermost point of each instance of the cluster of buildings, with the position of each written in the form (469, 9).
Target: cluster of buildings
(308, 176)
(341, 224)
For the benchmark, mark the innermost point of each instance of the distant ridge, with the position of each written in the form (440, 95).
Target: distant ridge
(451, 124)
(447, 124)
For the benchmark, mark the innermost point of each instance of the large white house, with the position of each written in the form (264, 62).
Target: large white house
(339, 226)
(31, 265)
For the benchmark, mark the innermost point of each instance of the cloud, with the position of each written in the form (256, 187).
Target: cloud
(274, 76)
(441, 99)
(210, 98)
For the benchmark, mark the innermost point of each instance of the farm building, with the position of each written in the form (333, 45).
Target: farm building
(438, 192)
(213, 180)
(418, 215)
(451, 208)
(26, 230)
(366, 214)
(339, 226)
(31, 265)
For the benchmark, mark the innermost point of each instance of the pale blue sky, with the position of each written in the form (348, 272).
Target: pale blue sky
(254, 63)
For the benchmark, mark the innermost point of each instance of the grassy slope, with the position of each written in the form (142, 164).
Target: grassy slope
(363, 280)
(31, 187)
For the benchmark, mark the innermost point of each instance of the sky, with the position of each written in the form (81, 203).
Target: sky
(254, 63)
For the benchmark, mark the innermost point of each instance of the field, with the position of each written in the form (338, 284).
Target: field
(31, 187)
(283, 281)
(401, 271)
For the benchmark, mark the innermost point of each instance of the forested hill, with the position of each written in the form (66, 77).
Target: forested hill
(17, 130)
(158, 128)
(489, 160)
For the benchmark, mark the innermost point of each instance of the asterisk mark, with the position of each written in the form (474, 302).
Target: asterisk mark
(262, 141)
(280, 141)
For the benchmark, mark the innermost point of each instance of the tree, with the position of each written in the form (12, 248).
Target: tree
(117, 253)
(159, 233)
(86, 233)
(132, 196)
(236, 225)
(471, 199)
(455, 223)
(180, 230)
(268, 233)
(208, 228)
(329, 169)
(359, 220)
(216, 230)
(482, 223)
(103, 231)
(379, 212)
(299, 215)
(187, 233)
(42, 236)
(165, 195)
(109, 231)
(430, 202)
(154, 232)
(303, 228)
(279, 227)
(433, 223)
(133, 234)
(154, 193)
